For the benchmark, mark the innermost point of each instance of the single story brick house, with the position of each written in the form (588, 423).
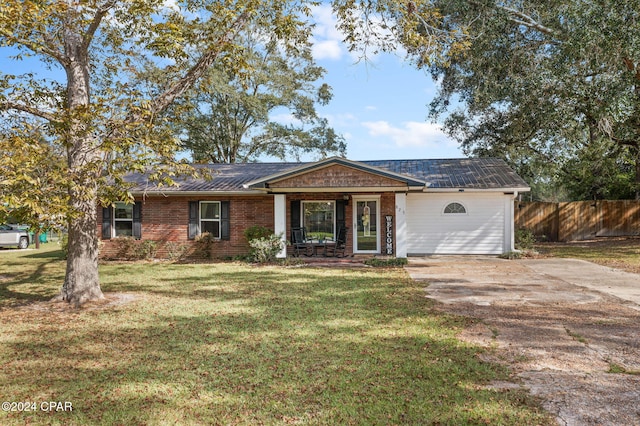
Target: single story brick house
(390, 207)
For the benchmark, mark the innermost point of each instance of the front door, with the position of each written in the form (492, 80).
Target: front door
(366, 238)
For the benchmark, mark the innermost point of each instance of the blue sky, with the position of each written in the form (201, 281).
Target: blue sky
(380, 107)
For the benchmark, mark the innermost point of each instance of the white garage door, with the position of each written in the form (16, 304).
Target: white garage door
(455, 223)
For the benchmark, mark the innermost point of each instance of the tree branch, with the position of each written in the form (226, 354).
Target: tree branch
(95, 23)
(5, 106)
(527, 21)
(521, 18)
(33, 46)
(165, 99)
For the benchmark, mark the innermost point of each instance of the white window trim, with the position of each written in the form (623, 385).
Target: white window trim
(444, 213)
(218, 220)
(377, 199)
(114, 220)
(302, 218)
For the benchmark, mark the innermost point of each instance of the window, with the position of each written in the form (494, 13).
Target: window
(123, 220)
(455, 208)
(318, 217)
(210, 218)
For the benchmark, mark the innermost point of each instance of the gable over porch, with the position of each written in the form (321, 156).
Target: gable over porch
(336, 193)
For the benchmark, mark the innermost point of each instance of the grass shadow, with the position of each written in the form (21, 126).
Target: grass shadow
(231, 344)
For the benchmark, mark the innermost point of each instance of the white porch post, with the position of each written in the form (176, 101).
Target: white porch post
(509, 225)
(280, 220)
(401, 225)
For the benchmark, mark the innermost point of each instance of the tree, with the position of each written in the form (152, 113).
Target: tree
(35, 169)
(229, 116)
(552, 87)
(103, 115)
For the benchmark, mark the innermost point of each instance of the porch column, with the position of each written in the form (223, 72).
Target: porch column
(401, 225)
(280, 220)
(509, 218)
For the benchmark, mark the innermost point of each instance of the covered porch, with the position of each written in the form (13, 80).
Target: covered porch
(338, 208)
(339, 225)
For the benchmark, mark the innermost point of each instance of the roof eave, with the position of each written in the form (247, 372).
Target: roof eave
(466, 189)
(180, 193)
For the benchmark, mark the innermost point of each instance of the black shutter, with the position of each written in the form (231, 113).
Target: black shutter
(225, 221)
(295, 214)
(106, 222)
(137, 220)
(341, 214)
(194, 226)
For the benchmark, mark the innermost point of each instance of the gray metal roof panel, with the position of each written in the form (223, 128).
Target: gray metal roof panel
(471, 173)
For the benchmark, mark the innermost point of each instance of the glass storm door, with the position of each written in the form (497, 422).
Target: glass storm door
(365, 223)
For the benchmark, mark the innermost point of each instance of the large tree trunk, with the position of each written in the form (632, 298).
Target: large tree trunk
(82, 282)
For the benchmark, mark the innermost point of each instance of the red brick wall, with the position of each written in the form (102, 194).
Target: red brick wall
(166, 219)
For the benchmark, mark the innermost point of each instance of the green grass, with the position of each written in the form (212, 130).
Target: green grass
(229, 343)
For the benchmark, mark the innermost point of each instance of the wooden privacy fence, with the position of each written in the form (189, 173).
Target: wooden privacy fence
(578, 220)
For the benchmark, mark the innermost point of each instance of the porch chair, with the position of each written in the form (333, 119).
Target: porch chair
(340, 245)
(300, 243)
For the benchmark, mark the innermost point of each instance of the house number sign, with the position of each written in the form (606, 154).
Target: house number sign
(389, 235)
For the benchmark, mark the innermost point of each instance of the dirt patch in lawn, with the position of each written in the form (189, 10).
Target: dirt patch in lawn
(111, 300)
(575, 348)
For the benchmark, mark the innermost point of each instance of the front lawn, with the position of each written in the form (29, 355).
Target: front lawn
(230, 343)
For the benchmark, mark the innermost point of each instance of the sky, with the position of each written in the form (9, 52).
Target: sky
(380, 107)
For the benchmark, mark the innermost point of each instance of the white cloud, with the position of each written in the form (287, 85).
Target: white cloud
(327, 40)
(341, 120)
(327, 49)
(411, 134)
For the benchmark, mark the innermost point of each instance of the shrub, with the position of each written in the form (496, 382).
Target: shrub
(524, 239)
(175, 251)
(204, 244)
(147, 249)
(265, 249)
(386, 262)
(125, 248)
(511, 255)
(256, 232)
(128, 248)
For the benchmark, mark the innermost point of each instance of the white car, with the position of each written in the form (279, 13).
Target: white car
(13, 236)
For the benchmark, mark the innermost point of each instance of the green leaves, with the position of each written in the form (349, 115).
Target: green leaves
(229, 116)
(545, 87)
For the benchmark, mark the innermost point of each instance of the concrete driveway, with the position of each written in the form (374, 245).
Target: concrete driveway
(483, 280)
(567, 329)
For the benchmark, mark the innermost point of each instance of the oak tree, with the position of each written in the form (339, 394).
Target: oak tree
(553, 87)
(234, 117)
(101, 114)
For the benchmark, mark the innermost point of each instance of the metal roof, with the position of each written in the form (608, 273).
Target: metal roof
(457, 173)
(466, 173)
